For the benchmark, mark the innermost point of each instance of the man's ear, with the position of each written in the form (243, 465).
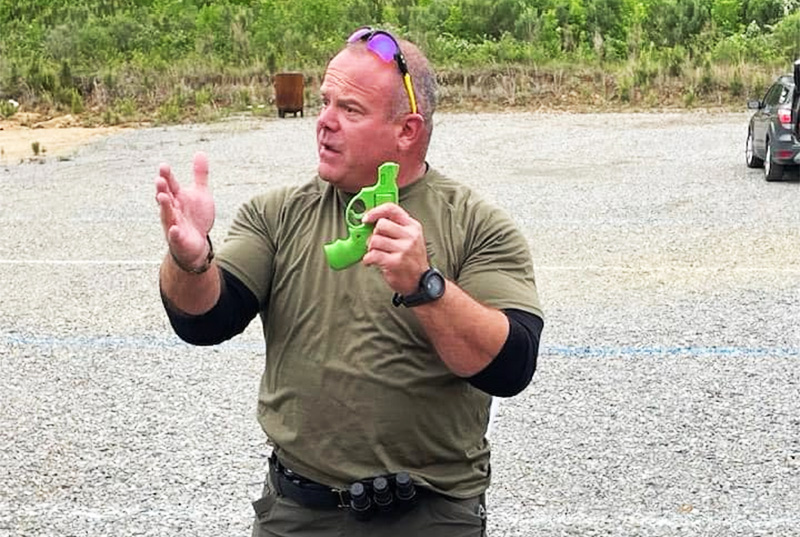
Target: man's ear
(412, 132)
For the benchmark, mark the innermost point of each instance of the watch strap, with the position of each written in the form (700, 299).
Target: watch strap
(419, 297)
(414, 299)
(196, 270)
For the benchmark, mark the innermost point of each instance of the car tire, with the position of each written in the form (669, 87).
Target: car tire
(750, 154)
(772, 171)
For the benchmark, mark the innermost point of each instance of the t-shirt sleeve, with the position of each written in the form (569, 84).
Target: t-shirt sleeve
(498, 268)
(249, 248)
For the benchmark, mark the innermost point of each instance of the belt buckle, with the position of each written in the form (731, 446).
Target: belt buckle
(342, 503)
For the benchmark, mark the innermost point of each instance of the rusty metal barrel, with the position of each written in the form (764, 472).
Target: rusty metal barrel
(289, 93)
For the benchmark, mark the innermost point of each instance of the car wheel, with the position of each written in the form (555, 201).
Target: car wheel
(772, 171)
(749, 152)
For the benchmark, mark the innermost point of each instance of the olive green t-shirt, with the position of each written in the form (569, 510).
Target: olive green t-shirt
(352, 387)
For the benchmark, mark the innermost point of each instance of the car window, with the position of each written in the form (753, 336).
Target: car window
(785, 95)
(771, 98)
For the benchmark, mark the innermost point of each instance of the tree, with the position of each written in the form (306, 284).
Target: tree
(727, 15)
(763, 12)
(605, 22)
(669, 23)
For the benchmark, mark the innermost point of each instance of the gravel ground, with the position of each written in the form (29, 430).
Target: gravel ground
(666, 400)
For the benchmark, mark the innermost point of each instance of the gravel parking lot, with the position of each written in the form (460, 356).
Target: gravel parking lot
(666, 399)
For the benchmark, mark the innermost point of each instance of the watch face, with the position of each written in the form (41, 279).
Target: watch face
(434, 285)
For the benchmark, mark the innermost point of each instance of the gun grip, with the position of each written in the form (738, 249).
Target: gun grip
(342, 253)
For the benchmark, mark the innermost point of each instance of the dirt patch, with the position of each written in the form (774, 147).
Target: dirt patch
(54, 137)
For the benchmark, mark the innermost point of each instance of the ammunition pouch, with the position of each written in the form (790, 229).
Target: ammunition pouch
(381, 495)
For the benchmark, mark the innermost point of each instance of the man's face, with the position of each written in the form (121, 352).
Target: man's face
(355, 133)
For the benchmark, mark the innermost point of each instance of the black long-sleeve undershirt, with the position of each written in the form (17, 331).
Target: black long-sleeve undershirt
(508, 374)
(512, 369)
(234, 310)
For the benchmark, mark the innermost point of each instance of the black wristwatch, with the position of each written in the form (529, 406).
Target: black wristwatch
(430, 288)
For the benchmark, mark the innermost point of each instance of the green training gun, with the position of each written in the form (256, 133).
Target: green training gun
(345, 252)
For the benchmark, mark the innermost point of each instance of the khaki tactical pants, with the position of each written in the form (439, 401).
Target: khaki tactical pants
(434, 516)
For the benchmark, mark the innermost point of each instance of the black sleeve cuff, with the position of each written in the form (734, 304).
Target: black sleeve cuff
(512, 369)
(234, 310)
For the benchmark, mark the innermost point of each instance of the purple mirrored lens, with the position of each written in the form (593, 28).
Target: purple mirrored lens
(382, 45)
(358, 34)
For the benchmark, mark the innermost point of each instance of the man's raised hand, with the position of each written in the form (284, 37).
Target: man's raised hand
(396, 247)
(187, 213)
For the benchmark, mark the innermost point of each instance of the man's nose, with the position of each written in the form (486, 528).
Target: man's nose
(327, 118)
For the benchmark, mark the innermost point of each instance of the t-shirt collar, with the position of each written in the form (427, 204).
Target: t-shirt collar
(406, 191)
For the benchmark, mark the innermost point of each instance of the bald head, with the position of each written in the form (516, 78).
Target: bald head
(366, 120)
(423, 80)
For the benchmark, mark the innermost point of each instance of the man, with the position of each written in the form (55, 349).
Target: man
(383, 371)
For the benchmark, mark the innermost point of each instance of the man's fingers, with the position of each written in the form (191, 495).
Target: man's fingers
(392, 211)
(390, 229)
(164, 197)
(395, 230)
(163, 170)
(167, 213)
(200, 169)
(162, 187)
(166, 172)
(383, 243)
(380, 258)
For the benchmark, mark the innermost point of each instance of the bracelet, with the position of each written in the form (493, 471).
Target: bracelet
(196, 270)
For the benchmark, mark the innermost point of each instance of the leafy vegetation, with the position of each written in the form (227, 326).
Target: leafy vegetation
(125, 60)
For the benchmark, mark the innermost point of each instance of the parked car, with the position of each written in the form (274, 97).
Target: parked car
(773, 137)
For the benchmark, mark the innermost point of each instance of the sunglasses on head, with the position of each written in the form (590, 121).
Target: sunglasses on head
(386, 47)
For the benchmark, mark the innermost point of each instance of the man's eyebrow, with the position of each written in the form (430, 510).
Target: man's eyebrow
(350, 101)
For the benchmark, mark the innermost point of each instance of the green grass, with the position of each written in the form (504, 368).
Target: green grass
(170, 61)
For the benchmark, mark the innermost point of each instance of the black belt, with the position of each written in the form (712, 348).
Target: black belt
(305, 491)
(315, 495)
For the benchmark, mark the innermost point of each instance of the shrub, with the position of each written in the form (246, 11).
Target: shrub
(763, 12)
(736, 86)
(125, 107)
(242, 98)
(203, 96)
(75, 101)
(689, 97)
(672, 60)
(644, 71)
(625, 89)
(7, 108)
(786, 37)
(41, 78)
(168, 112)
(706, 83)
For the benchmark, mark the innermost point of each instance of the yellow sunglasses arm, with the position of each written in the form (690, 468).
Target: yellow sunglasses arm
(410, 90)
